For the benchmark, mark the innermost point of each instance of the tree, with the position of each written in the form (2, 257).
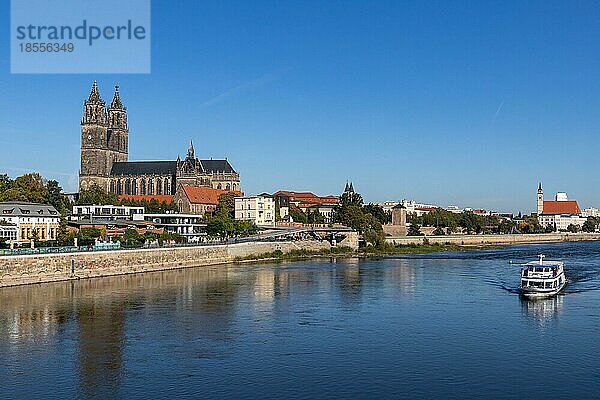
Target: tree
(414, 230)
(469, 222)
(226, 205)
(96, 195)
(378, 212)
(530, 224)
(314, 217)
(55, 197)
(63, 236)
(28, 187)
(573, 228)
(590, 224)
(348, 199)
(5, 183)
(297, 215)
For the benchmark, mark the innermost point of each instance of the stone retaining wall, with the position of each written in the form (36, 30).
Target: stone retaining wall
(26, 269)
(495, 239)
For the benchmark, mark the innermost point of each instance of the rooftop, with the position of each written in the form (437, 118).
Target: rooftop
(20, 209)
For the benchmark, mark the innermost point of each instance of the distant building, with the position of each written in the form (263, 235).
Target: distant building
(106, 212)
(198, 200)
(31, 219)
(302, 200)
(558, 213)
(591, 212)
(258, 209)
(190, 226)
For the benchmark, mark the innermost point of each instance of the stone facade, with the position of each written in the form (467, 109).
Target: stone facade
(104, 157)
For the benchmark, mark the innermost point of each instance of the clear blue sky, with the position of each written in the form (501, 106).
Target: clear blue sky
(469, 103)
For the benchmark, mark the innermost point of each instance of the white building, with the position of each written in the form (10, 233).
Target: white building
(190, 226)
(107, 212)
(39, 221)
(259, 209)
(558, 213)
(591, 212)
(8, 233)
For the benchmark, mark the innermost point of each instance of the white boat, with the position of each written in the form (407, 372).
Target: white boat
(542, 278)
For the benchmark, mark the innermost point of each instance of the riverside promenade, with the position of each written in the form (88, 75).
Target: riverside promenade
(39, 268)
(475, 240)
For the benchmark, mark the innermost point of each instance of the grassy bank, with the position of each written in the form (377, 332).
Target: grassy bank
(385, 250)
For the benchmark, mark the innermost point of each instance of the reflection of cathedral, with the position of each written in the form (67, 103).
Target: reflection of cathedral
(105, 151)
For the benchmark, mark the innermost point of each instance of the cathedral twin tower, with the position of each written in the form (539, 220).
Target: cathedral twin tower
(104, 139)
(104, 158)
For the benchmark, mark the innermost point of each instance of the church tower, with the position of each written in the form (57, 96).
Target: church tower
(104, 139)
(118, 132)
(540, 200)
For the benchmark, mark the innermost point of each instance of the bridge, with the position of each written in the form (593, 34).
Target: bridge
(342, 236)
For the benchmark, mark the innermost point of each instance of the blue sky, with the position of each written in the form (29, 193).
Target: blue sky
(470, 103)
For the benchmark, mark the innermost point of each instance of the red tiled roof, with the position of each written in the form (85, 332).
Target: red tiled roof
(205, 195)
(561, 207)
(139, 197)
(308, 197)
(430, 209)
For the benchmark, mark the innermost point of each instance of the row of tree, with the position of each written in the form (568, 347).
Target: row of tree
(33, 188)
(447, 222)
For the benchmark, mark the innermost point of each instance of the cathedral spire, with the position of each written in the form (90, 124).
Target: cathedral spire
(116, 102)
(95, 94)
(190, 152)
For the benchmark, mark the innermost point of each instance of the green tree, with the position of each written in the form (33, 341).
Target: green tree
(573, 228)
(64, 237)
(5, 183)
(28, 187)
(226, 205)
(591, 224)
(297, 215)
(96, 195)
(378, 212)
(470, 222)
(414, 230)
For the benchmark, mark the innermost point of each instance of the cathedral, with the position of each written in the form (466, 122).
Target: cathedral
(104, 157)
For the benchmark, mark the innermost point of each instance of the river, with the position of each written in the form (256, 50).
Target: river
(425, 326)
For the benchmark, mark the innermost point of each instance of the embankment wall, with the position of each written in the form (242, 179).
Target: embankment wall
(473, 240)
(38, 268)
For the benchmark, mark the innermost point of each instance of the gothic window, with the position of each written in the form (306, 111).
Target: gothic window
(112, 186)
(127, 186)
(119, 187)
(143, 186)
(219, 186)
(167, 188)
(227, 187)
(134, 187)
(150, 186)
(159, 186)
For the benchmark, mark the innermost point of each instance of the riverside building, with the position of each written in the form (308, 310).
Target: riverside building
(32, 220)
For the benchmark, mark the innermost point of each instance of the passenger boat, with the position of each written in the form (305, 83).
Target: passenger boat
(542, 278)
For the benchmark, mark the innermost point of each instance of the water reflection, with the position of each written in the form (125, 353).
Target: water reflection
(542, 311)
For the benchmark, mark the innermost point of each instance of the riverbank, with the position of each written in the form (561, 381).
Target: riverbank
(467, 240)
(39, 268)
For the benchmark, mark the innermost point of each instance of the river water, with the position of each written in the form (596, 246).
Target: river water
(427, 326)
